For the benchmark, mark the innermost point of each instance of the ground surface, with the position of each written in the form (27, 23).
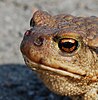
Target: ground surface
(17, 82)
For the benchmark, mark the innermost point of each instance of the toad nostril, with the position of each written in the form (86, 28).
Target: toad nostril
(27, 33)
(38, 41)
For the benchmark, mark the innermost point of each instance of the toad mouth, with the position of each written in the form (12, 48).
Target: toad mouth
(35, 66)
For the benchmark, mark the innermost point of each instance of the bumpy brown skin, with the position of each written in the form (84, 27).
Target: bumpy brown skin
(67, 73)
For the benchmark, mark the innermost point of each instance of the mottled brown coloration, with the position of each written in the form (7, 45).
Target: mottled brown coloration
(45, 48)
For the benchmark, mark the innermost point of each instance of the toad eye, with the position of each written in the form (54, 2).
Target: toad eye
(32, 22)
(68, 45)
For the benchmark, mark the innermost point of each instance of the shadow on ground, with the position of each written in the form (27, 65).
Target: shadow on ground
(18, 82)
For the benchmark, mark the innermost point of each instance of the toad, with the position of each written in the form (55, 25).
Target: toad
(62, 49)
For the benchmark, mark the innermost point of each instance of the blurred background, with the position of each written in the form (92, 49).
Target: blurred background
(17, 82)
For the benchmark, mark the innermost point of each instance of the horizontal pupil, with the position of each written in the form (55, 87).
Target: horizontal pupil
(68, 44)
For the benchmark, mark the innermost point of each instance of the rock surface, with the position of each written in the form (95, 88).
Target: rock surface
(17, 82)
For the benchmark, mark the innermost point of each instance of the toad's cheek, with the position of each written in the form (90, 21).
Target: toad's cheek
(61, 71)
